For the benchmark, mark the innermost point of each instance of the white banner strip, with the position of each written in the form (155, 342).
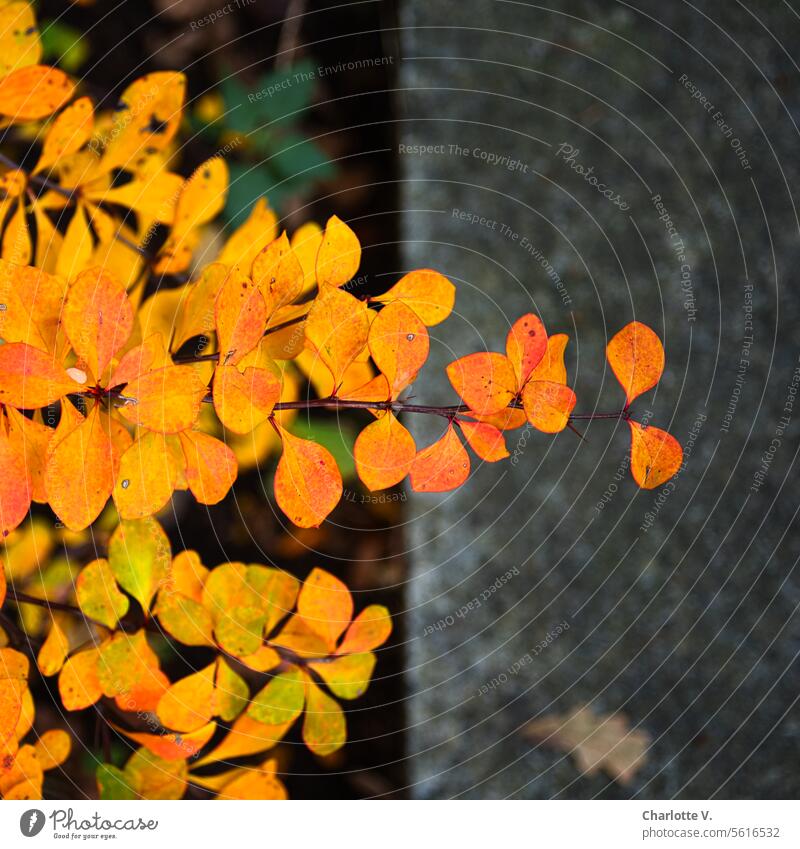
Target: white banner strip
(400, 825)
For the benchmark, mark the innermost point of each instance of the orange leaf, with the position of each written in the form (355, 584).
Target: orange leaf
(552, 366)
(33, 300)
(485, 440)
(189, 703)
(548, 405)
(246, 737)
(3, 586)
(655, 455)
(278, 274)
(526, 344)
(149, 356)
(240, 317)
(173, 747)
(244, 400)
(32, 441)
(15, 482)
(485, 381)
(30, 378)
(430, 294)
(398, 342)
(97, 318)
(326, 606)
(324, 726)
(338, 327)
(67, 134)
(308, 484)
(211, 466)
(146, 477)
(79, 477)
(35, 92)
(384, 452)
(339, 254)
(370, 629)
(166, 399)
(13, 683)
(78, 683)
(637, 357)
(442, 466)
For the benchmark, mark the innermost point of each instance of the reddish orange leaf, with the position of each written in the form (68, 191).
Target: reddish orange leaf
(655, 455)
(240, 317)
(485, 440)
(30, 378)
(337, 327)
(278, 274)
(548, 405)
(149, 356)
(398, 342)
(509, 419)
(173, 747)
(526, 344)
(326, 606)
(211, 466)
(442, 466)
(339, 254)
(552, 366)
(35, 92)
(485, 381)
(97, 318)
(167, 399)
(308, 484)
(430, 294)
(370, 629)
(383, 453)
(245, 400)
(80, 476)
(637, 357)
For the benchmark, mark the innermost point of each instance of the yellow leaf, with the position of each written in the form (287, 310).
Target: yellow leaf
(324, 727)
(140, 557)
(339, 254)
(19, 37)
(67, 134)
(338, 327)
(146, 477)
(98, 595)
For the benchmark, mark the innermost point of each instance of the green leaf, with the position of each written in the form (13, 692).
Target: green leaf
(63, 45)
(112, 784)
(281, 700)
(140, 558)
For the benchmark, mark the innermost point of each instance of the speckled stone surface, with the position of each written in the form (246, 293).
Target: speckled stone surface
(681, 607)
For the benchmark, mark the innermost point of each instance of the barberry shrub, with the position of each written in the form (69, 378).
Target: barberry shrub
(128, 373)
